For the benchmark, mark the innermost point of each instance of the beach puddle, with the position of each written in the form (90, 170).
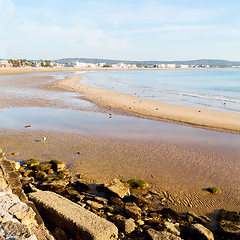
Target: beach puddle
(115, 126)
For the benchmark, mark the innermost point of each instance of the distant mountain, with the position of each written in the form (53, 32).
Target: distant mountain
(210, 62)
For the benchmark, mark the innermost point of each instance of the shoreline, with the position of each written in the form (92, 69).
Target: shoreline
(181, 170)
(13, 71)
(152, 109)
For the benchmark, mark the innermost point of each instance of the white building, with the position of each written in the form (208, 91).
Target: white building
(171, 65)
(184, 66)
(5, 63)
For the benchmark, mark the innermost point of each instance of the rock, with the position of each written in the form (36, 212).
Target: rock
(31, 162)
(15, 230)
(59, 234)
(101, 200)
(140, 200)
(148, 196)
(61, 175)
(198, 232)
(229, 223)
(99, 213)
(15, 164)
(213, 190)
(26, 180)
(133, 210)
(126, 225)
(55, 185)
(50, 171)
(23, 213)
(156, 235)
(118, 188)
(140, 222)
(137, 183)
(114, 209)
(169, 213)
(40, 175)
(45, 166)
(73, 193)
(117, 217)
(173, 228)
(153, 221)
(94, 205)
(195, 218)
(144, 207)
(116, 201)
(81, 186)
(57, 165)
(29, 173)
(72, 218)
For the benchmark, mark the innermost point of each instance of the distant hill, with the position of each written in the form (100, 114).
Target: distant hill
(210, 62)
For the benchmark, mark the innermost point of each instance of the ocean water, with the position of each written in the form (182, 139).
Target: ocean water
(215, 89)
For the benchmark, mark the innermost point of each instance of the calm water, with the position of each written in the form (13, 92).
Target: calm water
(212, 89)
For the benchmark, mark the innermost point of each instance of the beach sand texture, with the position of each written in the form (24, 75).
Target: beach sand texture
(180, 173)
(154, 109)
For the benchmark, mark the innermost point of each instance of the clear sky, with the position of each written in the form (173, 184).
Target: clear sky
(120, 29)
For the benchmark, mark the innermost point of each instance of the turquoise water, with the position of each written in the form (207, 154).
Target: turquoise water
(212, 89)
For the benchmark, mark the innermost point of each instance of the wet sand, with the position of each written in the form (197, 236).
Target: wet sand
(154, 109)
(179, 171)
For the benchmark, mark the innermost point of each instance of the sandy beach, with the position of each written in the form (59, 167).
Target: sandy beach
(154, 109)
(178, 171)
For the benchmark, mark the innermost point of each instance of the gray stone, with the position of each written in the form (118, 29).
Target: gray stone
(156, 235)
(15, 230)
(72, 218)
(119, 188)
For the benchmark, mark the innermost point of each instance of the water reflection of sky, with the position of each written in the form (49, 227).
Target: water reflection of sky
(33, 93)
(118, 126)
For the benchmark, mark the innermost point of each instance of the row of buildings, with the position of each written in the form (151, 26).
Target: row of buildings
(83, 65)
(25, 63)
(128, 65)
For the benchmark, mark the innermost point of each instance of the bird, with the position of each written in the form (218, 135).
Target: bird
(44, 139)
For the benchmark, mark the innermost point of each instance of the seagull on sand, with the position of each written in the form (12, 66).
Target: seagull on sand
(44, 139)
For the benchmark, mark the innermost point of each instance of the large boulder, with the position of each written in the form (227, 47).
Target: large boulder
(229, 223)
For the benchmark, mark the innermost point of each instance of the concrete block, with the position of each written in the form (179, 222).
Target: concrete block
(72, 218)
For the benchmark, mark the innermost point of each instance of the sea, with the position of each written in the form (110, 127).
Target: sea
(215, 89)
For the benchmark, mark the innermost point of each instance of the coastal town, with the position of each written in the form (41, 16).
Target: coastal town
(23, 63)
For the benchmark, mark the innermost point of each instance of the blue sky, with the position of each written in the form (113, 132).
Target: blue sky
(125, 30)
